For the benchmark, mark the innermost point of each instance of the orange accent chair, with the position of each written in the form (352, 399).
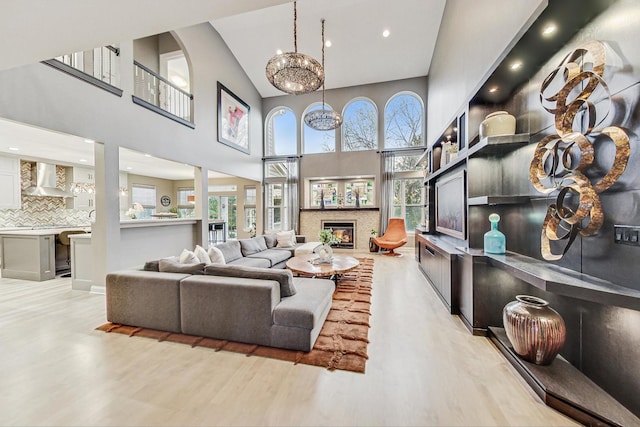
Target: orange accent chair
(394, 236)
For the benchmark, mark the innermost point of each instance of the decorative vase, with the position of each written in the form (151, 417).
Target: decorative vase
(357, 201)
(498, 123)
(373, 247)
(444, 157)
(325, 254)
(536, 331)
(494, 239)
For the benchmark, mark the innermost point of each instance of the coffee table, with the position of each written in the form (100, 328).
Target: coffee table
(341, 264)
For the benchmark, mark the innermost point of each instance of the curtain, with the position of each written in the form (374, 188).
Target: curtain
(386, 189)
(292, 192)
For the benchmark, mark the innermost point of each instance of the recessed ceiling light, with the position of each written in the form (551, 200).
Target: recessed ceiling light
(14, 149)
(385, 33)
(493, 89)
(515, 65)
(328, 43)
(549, 29)
(129, 168)
(89, 141)
(83, 160)
(279, 52)
(147, 155)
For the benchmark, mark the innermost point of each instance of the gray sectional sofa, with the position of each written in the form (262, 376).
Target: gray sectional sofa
(235, 302)
(259, 251)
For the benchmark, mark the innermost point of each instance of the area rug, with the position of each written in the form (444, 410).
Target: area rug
(343, 339)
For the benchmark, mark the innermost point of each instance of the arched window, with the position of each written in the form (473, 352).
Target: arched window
(404, 121)
(360, 126)
(280, 133)
(317, 141)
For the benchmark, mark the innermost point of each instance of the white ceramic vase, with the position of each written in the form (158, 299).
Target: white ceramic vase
(498, 123)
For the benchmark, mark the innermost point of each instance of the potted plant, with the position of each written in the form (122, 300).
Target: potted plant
(372, 245)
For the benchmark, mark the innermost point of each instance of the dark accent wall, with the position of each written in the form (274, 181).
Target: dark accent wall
(602, 341)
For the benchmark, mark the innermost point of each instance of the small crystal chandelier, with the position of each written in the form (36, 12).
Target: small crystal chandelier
(323, 119)
(293, 72)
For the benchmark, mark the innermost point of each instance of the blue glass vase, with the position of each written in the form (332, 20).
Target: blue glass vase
(494, 240)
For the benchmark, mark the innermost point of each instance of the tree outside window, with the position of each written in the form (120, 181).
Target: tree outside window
(360, 126)
(403, 121)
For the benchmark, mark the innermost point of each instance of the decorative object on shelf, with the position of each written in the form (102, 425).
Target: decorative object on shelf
(356, 193)
(494, 240)
(292, 72)
(498, 123)
(233, 120)
(340, 201)
(444, 158)
(322, 199)
(373, 247)
(536, 331)
(554, 168)
(323, 119)
(437, 155)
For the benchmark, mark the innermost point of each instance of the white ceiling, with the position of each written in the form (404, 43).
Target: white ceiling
(253, 30)
(359, 53)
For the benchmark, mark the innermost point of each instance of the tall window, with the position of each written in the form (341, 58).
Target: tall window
(186, 202)
(403, 121)
(317, 141)
(250, 218)
(145, 195)
(280, 194)
(408, 190)
(280, 133)
(360, 127)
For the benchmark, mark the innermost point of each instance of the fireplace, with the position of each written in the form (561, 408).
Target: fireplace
(345, 231)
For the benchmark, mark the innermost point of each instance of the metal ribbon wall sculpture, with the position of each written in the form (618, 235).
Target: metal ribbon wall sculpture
(561, 160)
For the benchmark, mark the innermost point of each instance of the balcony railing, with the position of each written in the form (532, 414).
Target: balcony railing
(99, 66)
(158, 94)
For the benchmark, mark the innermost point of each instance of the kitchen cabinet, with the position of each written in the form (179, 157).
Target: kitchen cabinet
(9, 183)
(83, 190)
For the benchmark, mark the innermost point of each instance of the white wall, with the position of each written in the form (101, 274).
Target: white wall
(473, 36)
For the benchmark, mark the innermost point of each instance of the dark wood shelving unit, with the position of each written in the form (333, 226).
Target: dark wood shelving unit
(497, 200)
(562, 281)
(449, 166)
(500, 144)
(563, 387)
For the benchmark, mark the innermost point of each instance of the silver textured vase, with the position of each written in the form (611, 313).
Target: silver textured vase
(536, 331)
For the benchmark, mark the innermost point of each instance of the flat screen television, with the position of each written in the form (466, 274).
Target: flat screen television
(451, 206)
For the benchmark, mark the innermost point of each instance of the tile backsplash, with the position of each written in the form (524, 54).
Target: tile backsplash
(38, 211)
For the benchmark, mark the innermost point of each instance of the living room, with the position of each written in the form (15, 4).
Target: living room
(435, 372)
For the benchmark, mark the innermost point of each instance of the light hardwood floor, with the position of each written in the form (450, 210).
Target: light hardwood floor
(424, 368)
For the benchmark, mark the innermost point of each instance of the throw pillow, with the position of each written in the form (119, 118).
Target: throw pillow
(286, 239)
(283, 277)
(171, 266)
(188, 257)
(230, 250)
(271, 240)
(216, 255)
(202, 254)
(152, 265)
(253, 245)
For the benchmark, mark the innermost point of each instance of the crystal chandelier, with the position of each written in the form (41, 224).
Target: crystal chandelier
(323, 119)
(293, 72)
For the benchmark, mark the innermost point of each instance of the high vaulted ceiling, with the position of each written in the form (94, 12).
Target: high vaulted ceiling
(359, 53)
(36, 30)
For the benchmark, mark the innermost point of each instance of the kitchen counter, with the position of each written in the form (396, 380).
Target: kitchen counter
(30, 254)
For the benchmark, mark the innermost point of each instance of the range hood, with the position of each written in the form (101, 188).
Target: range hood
(43, 182)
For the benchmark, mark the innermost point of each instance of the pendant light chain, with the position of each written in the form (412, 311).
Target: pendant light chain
(295, 28)
(323, 63)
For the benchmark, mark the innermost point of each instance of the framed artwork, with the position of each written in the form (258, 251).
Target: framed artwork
(450, 205)
(233, 120)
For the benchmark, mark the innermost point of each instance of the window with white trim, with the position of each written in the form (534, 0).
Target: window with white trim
(280, 133)
(360, 126)
(145, 196)
(404, 121)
